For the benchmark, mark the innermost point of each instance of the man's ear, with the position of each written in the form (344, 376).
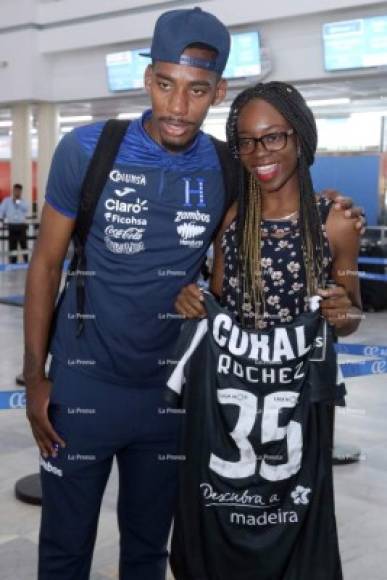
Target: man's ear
(148, 74)
(220, 92)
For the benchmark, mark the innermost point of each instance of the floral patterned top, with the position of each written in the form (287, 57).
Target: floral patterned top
(283, 272)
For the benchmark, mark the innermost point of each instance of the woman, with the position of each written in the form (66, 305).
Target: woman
(279, 245)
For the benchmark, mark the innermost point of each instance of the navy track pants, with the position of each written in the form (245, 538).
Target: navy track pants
(99, 421)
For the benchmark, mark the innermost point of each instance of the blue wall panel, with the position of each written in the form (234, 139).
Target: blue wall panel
(356, 176)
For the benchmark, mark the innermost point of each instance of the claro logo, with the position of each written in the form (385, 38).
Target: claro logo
(17, 400)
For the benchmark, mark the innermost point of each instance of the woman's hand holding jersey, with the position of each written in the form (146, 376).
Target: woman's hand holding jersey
(338, 309)
(189, 302)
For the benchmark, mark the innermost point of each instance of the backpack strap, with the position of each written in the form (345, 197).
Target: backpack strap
(96, 176)
(230, 171)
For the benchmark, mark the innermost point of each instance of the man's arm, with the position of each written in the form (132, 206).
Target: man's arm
(341, 305)
(354, 213)
(189, 302)
(43, 280)
(3, 206)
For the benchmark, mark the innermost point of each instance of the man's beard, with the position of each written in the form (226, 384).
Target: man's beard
(178, 148)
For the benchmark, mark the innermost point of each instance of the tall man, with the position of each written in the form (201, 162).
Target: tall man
(152, 227)
(154, 221)
(13, 211)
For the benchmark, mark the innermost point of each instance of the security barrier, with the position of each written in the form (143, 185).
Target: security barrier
(13, 399)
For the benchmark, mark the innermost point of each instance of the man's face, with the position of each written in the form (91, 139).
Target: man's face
(181, 96)
(16, 193)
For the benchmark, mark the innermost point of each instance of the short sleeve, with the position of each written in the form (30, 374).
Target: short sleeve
(67, 172)
(191, 335)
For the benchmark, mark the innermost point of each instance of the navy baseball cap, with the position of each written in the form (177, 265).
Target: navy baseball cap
(176, 29)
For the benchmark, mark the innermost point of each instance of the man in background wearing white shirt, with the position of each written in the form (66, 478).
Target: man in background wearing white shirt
(14, 210)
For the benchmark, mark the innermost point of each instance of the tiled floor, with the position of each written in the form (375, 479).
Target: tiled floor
(361, 489)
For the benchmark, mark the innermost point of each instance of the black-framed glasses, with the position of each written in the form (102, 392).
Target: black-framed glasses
(270, 142)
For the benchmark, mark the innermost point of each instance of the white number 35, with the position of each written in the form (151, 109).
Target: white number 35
(271, 431)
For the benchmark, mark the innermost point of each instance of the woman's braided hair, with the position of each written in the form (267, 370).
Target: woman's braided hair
(292, 106)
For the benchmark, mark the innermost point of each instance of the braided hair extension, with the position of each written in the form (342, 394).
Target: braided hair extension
(292, 106)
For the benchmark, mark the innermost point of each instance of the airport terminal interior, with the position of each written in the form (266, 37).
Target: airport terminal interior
(64, 64)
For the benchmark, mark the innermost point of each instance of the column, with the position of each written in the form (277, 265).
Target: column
(48, 135)
(21, 161)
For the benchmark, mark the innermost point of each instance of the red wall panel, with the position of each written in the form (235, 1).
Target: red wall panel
(5, 179)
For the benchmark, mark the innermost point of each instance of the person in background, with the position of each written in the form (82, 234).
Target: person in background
(13, 211)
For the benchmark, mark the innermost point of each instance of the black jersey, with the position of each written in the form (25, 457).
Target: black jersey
(255, 490)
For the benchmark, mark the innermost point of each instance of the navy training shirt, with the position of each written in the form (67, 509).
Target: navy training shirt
(152, 227)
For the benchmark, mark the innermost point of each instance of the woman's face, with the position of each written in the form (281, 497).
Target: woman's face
(273, 170)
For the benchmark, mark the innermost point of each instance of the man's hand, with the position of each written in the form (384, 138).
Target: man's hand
(338, 309)
(346, 203)
(38, 399)
(189, 302)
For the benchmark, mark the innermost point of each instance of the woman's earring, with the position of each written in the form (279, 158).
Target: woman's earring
(298, 151)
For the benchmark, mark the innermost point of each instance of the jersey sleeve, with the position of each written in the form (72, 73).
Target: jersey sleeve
(191, 335)
(67, 172)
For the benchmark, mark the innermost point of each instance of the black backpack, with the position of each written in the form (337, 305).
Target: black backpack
(96, 176)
